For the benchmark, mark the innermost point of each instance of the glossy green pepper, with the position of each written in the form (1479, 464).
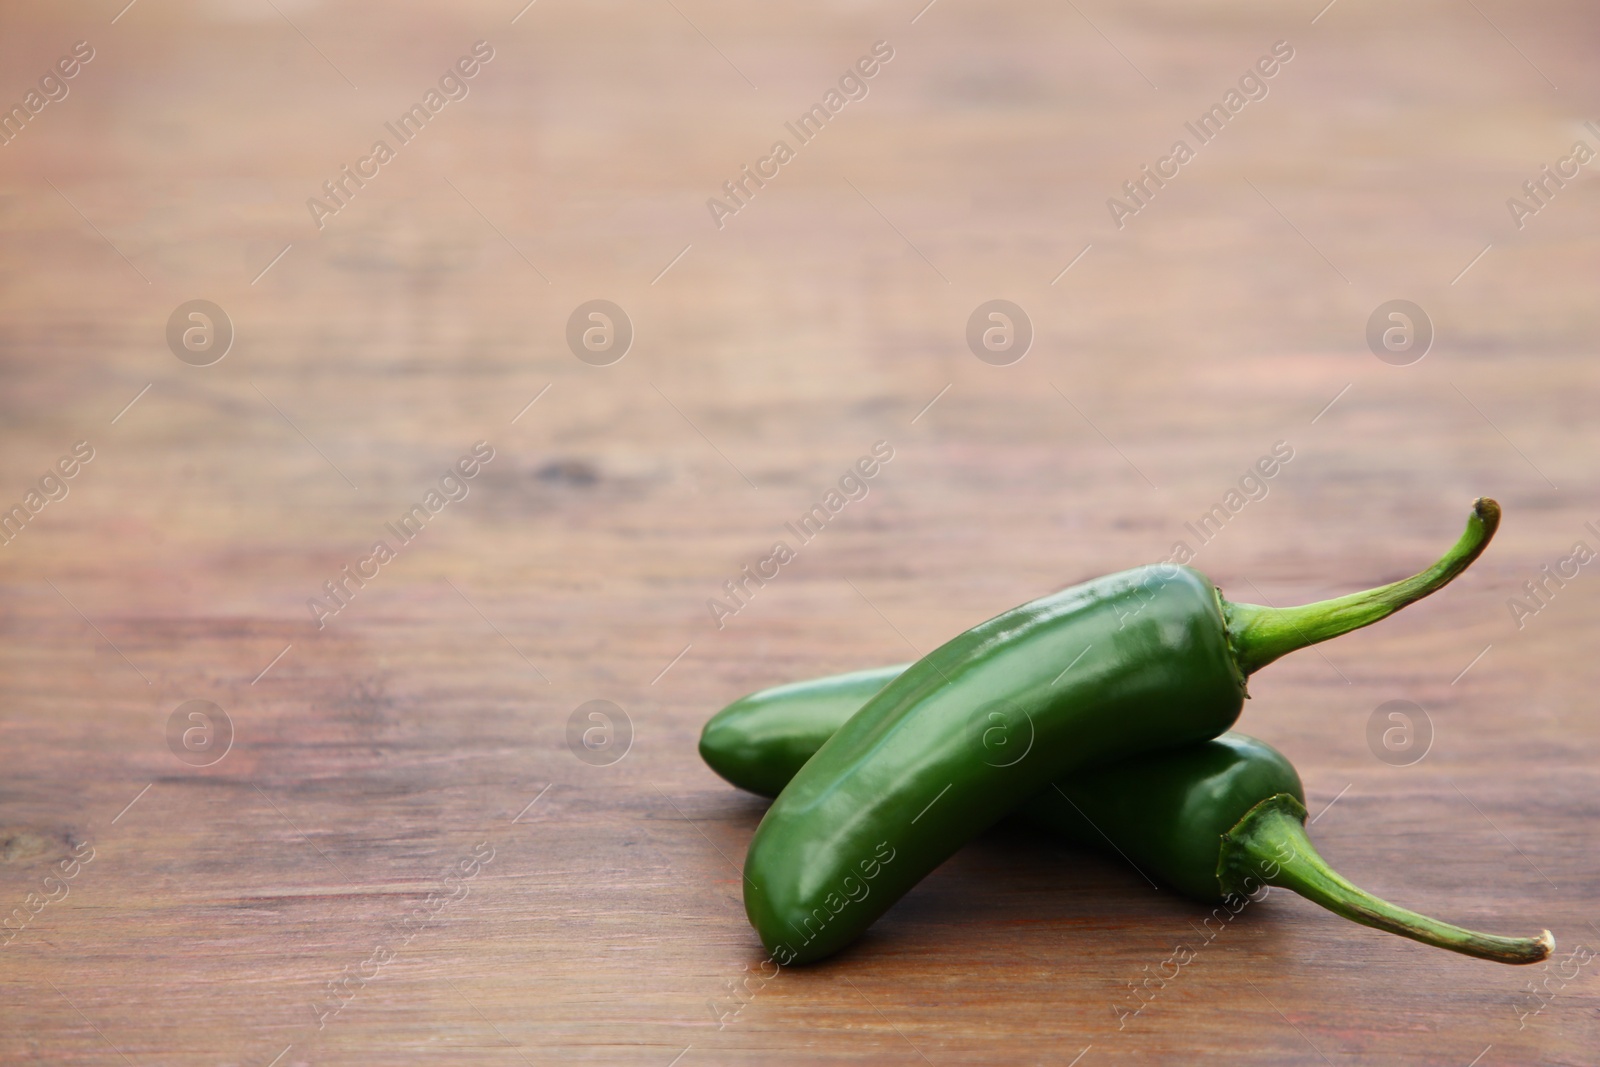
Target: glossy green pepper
(1137, 661)
(1207, 819)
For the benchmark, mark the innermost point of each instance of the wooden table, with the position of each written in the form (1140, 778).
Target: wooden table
(288, 903)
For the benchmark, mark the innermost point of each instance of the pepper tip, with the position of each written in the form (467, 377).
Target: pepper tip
(1487, 510)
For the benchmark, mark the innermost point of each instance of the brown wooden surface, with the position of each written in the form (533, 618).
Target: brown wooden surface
(427, 716)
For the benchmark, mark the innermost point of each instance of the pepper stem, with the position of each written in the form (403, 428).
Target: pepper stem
(1269, 845)
(1262, 634)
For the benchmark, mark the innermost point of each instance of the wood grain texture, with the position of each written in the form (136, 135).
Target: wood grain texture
(414, 730)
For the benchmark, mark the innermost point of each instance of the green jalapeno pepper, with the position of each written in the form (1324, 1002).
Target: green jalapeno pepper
(1207, 819)
(1141, 660)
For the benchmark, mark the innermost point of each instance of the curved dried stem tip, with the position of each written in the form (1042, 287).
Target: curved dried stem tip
(1262, 634)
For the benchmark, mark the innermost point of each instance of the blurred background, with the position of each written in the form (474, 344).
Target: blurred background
(1374, 255)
